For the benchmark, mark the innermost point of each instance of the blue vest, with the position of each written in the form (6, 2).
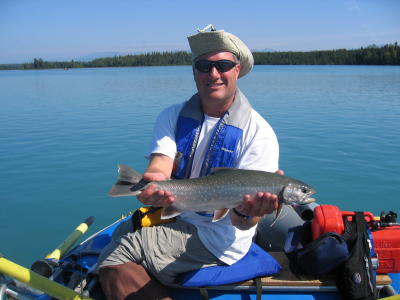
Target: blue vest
(222, 147)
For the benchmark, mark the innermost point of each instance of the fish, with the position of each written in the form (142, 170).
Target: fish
(221, 190)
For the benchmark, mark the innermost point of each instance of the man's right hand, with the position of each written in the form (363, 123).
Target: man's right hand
(151, 195)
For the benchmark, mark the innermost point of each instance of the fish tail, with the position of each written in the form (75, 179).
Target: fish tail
(129, 182)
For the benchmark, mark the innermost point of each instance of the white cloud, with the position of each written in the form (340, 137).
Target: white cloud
(352, 5)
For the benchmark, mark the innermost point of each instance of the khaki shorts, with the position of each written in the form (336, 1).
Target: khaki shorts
(165, 250)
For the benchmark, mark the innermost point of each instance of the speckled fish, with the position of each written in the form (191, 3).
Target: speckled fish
(224, 188)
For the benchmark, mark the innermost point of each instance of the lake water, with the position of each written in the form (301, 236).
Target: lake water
(63, 132)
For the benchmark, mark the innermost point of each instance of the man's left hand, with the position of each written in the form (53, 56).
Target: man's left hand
(258, 205)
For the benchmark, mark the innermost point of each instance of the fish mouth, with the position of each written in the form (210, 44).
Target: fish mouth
(304, 201)
(308, 200)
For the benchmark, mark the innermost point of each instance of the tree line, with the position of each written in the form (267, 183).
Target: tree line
(373, 55)
(388, 54)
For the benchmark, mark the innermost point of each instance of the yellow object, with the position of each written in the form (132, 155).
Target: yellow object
(70, 240)
(37, 281)
(152, 216)
(395, 297)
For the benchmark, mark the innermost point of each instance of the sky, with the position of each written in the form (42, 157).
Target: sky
(78, 29)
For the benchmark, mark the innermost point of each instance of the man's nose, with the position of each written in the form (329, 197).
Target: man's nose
(214, 72)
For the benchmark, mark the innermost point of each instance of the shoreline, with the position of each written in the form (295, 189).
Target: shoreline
(388, 54)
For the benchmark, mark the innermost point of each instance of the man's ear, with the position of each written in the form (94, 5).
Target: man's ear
(237, 68)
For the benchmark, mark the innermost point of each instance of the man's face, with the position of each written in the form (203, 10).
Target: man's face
(216, 85)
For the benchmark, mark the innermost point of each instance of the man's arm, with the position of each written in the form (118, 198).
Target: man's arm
(159, 168)
(159, 164)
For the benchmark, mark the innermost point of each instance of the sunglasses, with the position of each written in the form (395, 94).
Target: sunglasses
(223, 65)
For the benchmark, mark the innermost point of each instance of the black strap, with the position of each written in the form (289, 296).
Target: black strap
(360, 222)
(204, 294)
(258, 284)
(138, 215)
(136, 219)
(353, 228)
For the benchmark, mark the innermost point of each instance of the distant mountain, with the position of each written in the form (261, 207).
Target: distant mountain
(95, 55)
(264, 50)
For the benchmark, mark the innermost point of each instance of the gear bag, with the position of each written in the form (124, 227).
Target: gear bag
(355, 279)
(314, 257)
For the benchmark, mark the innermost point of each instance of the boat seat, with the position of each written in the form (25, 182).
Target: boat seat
(255, 263)
(287, 279)
(283, 281)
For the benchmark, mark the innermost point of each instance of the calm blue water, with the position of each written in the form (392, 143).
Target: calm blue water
(62, 134)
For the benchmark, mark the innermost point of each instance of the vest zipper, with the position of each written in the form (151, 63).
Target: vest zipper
(204, 169)
(188, 169)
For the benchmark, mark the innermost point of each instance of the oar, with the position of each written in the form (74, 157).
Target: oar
(70, 240)
(37, 281)
(45, 266)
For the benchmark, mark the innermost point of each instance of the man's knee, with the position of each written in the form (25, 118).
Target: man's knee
(129, 281)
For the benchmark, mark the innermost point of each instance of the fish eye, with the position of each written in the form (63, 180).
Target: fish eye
(304, 190)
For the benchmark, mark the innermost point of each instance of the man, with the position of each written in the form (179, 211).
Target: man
(217, 127)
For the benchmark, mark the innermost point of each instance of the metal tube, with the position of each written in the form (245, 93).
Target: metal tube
(37, 281)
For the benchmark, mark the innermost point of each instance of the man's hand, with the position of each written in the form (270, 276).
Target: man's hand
(152, 196)
(253, 208)
(260, 204)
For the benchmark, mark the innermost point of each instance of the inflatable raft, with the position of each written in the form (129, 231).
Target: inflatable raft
(69, 272)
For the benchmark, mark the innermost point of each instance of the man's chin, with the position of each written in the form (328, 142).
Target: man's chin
(220, 95)
(216, 98)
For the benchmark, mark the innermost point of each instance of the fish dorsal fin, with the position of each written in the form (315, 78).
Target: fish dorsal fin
(221, 169)
(170, 212)
(219, 214)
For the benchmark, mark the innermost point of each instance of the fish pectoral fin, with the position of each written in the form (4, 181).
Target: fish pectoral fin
(170, 212)
(278, 213)
(219, 214)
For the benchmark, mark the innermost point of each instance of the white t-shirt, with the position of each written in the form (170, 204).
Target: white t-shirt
(257, 150)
